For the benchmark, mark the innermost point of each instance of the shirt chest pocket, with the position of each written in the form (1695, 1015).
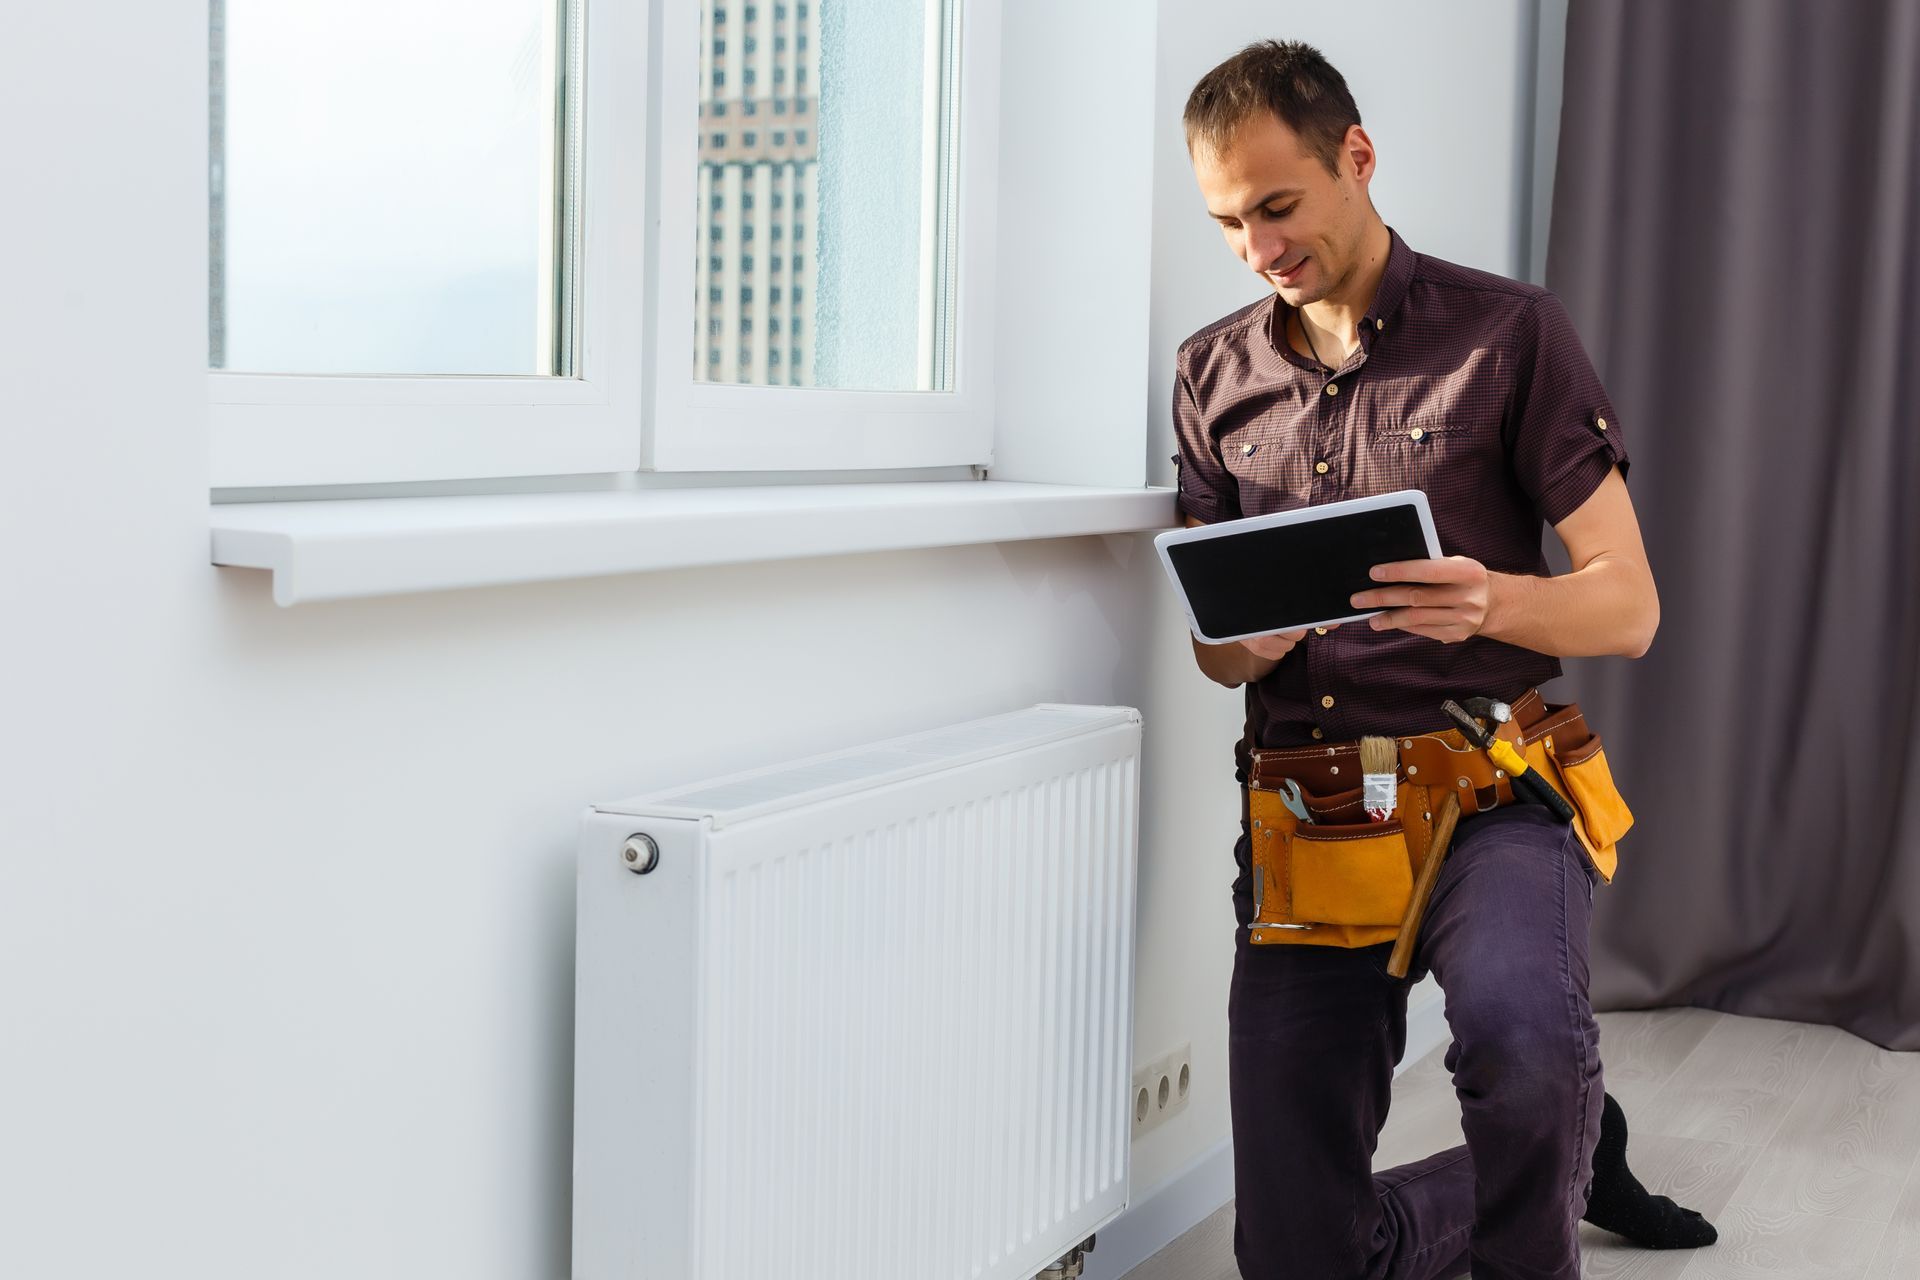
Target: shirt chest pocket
(1413, 453)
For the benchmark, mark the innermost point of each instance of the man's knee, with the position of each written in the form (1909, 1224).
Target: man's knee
(1532, 1048)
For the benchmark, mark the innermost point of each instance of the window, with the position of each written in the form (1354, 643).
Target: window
(359, 251)
(399, 246)
(528, 129)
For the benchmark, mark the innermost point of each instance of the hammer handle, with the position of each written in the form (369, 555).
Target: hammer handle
(1443, 826)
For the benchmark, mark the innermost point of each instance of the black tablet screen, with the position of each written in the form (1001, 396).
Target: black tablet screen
(1292, 575)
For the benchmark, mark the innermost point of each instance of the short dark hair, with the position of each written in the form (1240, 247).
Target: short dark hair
(1289, 78)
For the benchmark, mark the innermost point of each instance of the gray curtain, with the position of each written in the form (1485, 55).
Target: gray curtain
(1736, 229)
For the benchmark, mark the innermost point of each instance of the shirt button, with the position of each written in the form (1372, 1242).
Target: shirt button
(1322, 468)
(1246, 451)
(1417, 433)
(1318, 734)
(1379, 324)
(1600, 423)
(1319, 631)
(1327, 701)
(1333, 388)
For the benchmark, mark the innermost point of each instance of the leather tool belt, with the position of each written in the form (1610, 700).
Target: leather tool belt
(1344, 881)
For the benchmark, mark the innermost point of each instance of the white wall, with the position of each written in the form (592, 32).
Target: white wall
(286, 920)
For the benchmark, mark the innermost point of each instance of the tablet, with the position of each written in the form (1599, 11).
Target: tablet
(1292, 569)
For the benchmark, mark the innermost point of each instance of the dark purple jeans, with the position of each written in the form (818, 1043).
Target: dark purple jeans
(1315, 1032)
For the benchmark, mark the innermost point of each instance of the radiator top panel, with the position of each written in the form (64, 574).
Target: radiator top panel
(756, 793)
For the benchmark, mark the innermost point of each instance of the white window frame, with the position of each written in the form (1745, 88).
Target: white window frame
(297, 429)
(714, 427)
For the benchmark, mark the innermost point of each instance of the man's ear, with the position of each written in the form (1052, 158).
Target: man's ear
(1356, 152)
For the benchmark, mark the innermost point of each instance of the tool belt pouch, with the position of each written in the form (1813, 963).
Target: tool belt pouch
(1330, 872)
(1357, 876)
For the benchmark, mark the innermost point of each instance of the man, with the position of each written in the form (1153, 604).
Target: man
(1371, 368)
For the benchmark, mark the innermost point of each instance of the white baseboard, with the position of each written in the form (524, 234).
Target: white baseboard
(1161, 1215)
(1155, 1220)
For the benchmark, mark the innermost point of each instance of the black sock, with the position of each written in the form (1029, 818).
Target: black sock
(1618, 1203)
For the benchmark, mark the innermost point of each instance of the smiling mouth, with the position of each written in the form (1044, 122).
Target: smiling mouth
(1287, 276)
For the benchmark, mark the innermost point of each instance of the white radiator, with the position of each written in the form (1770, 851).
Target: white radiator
(870, 1015)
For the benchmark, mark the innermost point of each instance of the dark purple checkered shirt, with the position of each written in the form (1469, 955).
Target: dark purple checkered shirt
(1468, 385)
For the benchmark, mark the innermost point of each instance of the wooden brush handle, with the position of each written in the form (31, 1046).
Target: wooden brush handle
(1423, 887)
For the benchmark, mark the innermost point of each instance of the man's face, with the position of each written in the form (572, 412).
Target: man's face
(1298, 226)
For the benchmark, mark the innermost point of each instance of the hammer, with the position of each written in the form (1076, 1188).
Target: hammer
(1423, 887)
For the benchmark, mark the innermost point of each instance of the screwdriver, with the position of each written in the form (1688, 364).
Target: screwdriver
(1503, 754)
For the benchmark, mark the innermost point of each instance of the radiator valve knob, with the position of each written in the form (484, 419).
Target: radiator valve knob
(640, 854)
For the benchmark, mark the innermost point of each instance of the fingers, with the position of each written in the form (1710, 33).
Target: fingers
(1451, 569)
(1428, 597)
(1445, 625)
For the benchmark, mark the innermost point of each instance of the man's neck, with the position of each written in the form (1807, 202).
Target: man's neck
(1335, 319)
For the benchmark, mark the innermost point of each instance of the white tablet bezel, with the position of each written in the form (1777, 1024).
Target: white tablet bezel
(1415, 498)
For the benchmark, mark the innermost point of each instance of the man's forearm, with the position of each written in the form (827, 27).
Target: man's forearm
(1231, 664)
(1609, 607)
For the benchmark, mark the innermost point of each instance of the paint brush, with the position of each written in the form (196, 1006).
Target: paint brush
(1380, 782)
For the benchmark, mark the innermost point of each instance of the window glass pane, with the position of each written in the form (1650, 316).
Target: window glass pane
(870, 178)
(392, 184)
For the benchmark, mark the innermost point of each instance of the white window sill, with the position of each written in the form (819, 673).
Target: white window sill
(348, 548)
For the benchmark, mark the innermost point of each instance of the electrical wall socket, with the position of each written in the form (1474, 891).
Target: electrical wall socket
(1161, 1088)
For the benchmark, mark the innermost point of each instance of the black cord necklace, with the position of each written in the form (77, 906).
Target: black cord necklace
(1325, 368)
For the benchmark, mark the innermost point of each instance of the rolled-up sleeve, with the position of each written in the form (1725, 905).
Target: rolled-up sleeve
(1208, 492)
(1563, 430)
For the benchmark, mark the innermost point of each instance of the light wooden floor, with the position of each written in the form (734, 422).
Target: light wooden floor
(1798, 1142)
